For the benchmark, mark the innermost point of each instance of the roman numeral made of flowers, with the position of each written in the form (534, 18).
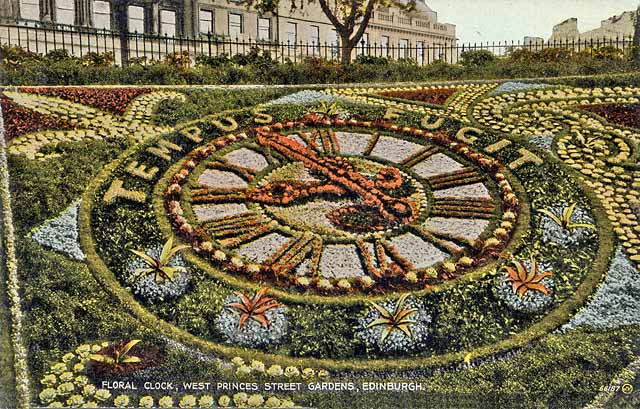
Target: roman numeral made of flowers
(91, 123)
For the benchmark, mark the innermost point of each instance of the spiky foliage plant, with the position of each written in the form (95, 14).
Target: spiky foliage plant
(160, 267)
(526, 279)
(396, 320)
(254, 308)
(118, 356)
(564, 218)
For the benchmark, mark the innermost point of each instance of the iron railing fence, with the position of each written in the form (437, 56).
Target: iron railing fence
(145, 48)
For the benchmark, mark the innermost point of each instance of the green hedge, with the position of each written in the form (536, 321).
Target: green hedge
(22, 68)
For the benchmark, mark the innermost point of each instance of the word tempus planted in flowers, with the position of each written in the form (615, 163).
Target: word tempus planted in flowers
(372, 247)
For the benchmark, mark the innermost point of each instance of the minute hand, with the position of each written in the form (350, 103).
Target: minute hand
(389, 207)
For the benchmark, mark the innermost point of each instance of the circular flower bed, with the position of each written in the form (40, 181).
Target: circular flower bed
(389, 337)
(253, 333)
(148, 287)
(517, 294)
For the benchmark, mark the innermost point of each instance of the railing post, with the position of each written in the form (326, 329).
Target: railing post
(46, 42)
(28, 40)
(80, 42)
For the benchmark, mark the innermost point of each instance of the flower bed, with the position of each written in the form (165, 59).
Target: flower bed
(621, 114)
(20, 121)
(436, 96)
(372, 238)
(114, 100)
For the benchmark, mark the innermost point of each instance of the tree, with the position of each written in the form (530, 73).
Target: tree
(349, 17)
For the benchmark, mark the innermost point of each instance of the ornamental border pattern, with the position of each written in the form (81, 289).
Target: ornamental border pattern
(13, 288)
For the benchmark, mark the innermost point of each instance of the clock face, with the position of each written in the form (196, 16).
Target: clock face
(313, 203)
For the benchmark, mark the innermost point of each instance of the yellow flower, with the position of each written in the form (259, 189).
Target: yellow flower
(166, 402)
(205, 401)
(291, 371)
(344, 284)
(308, 373)
(187, 401)
(224, 401)
(275, 370)
(146, 402)
(257, 365)
(121, 401)
(240, 398)
(255, 401)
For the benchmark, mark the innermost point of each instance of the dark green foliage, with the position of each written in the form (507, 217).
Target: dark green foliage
(477, 58)
(204, 102)
(197, 309)
(318, 331)
(50, 186)
(369, 59)
(58, 68)
(64, 306)
(622, 80)
(7, 378)
(558, 371)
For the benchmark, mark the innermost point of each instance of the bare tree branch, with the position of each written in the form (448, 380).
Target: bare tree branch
(351, 20)
(365, 20)
(332, 18)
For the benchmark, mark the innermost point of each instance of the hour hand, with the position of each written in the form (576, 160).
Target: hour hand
(273, 193)
(287, 192)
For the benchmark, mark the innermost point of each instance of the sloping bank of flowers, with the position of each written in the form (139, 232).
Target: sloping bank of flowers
(11, 265)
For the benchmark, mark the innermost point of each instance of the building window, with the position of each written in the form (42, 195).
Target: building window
(30, 9)
(333, 41)
(314, 38)
(384, 46)
(437, 51)
(292, 32)
(168, 23)
(420, 52)
(264, 28)
(102, 14)
(206, 22)
(64, 12)
(136, 19)
(235, 25)
(403, 46)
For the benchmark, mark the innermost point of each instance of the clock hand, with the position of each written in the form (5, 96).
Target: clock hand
(274, 193)
(340, 172)
(285, 192)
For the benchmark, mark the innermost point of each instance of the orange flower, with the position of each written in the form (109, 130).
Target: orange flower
(524, 280)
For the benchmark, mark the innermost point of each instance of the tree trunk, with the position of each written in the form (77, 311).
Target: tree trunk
(346, 45)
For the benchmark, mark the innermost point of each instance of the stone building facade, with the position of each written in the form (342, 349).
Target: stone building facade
(619, 26)
(389, 28)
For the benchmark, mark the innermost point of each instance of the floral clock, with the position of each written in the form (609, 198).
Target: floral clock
(334, 205)
(401, 234)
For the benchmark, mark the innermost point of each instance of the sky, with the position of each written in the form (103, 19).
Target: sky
(500, 20)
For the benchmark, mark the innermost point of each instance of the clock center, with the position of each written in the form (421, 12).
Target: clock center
(307, 201)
